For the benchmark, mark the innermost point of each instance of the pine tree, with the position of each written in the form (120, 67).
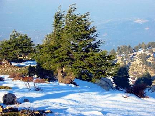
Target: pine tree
(122, 78)
(72, 48)
(17, 45)
(112, 52)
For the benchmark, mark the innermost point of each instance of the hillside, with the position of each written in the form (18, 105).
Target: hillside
(85, 100)
(139, 59)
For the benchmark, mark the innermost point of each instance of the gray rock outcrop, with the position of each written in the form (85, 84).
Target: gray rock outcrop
(9, 99)
(105, 83)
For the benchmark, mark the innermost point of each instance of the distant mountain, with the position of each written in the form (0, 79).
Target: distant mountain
(126, 32)
(139, 60)
(119, 22)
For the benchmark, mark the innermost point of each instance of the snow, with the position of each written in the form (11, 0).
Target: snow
(26, 63)
(85, 100)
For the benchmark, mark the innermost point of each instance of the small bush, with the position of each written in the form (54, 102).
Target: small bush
(5, 87)
(17, 78)
(13, 75)
(1, 79)
(144, 80)
(39, 81)
(19, 75)
(137, 90)
(27, 79)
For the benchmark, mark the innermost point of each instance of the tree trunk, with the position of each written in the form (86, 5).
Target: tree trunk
(60, 75)
(63, 78)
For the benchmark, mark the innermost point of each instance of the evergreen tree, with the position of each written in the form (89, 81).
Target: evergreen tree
(144, 79)
(72, 48)
(18, 45)
(112, 52)
(143, 46)
(122, 78)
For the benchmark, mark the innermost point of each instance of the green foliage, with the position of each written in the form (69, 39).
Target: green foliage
(19, 45)
(151, 45)
(144, 79)
(145, 46)
(144, 57)
(128, 49)
(31, 71)
(23, 71)
(43, 73)
(72, 45)
(124, 50)
(112, 52)
(122, 78)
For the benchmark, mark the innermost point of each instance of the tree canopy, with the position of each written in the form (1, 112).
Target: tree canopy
(18, 45)
(73, 47)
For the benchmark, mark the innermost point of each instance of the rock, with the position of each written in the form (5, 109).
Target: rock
(105, 83)
(25, 100)
(9, 99)
(13, 109)
(1, 79)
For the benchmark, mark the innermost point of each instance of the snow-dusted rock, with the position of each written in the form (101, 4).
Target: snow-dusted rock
(105, 83)
(9, 99)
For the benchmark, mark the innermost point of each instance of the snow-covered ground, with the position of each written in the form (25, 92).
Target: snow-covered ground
(26, 63)
(87, 99)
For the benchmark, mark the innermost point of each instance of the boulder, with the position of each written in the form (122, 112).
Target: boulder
(26, 100)
(1, 79)
(105, 83)
(9, 99)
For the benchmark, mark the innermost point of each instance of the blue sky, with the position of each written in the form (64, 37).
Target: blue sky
(35, 17)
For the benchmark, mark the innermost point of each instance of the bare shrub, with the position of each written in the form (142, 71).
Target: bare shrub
(39, 81)
(27, 79)
(13, 75)
(19, 75)
(17, 78)
(137, 90)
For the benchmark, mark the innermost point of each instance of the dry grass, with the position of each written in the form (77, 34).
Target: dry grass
(5, 87)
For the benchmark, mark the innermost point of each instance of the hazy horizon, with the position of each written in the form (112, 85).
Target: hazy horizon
(118, 21)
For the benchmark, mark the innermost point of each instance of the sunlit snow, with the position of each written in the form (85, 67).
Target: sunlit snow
(85, 100)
